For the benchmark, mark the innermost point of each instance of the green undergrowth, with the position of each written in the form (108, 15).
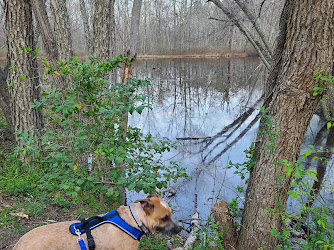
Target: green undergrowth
(47, 176)
(160, 242)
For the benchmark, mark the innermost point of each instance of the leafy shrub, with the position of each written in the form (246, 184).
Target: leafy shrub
(314, 221)
(89, 119)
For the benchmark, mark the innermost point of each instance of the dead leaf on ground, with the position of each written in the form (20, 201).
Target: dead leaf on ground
(20, 214)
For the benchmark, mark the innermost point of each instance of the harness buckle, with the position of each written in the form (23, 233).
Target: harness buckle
(77, 231)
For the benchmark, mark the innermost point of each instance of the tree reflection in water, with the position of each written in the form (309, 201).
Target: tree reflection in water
(217, 98)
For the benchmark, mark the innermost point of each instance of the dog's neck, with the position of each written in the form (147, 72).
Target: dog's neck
(125, 214)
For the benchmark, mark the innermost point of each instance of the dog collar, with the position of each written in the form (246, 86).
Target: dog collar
(140, 224)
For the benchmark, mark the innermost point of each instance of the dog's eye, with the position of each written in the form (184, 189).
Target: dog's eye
(166, 218)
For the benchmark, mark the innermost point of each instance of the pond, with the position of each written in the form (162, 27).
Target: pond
(202, 98)
(216, 102)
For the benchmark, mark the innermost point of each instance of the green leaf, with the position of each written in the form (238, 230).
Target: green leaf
(306, 154)
(298, 173)
(315, 158)
(329, 125)
(293, 194)
(293, 184)
(131, 186)
(23, 78)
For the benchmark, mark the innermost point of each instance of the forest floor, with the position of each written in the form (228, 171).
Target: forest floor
(21, 214)
(23, 207)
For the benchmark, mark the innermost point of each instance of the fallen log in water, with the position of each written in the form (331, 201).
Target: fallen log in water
(193, 138)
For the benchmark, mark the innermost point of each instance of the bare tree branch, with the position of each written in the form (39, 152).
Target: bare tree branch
(255, 21)
(264, 55)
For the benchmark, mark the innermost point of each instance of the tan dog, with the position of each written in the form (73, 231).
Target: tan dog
(153, 212)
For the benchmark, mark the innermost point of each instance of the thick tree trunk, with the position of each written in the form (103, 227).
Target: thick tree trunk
(112, 30)
(101, 28)
(87, 29)
(61, 23)
(307, 48)
(23, 78)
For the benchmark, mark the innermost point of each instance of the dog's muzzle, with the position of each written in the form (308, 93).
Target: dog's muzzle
(171, 228)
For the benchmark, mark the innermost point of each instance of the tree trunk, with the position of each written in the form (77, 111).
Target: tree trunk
(87, 29)
(321, 168)
(45, 29)
(48, 38)
(23, 78)
(307, 48)
(133, 39)
(61, 23)
(5, 98)
(101, 28)
(134, 32)
(221, 214)
(112, 31)
(127, 69)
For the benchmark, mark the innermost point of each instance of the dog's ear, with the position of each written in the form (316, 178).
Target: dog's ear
(153, 195)
(147, 205)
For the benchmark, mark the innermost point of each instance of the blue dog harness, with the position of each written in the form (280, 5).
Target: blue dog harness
(86, 225)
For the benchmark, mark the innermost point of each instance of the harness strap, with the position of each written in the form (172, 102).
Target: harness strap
(86, 225)
(90, 223)
(93, 221)
(90, 239)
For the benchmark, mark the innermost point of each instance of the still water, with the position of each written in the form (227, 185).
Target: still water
(202, 98)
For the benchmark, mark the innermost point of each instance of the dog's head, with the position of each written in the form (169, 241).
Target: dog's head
(158, 215)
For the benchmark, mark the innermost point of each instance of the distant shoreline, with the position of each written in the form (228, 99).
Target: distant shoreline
(175, 56)
(212, 55)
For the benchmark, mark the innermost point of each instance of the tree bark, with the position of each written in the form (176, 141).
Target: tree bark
(222, 215)
(127, 69)
(61, 23)
(5, 98)
(48, 38)
(87, 29)
(49, 41)
(133, 39)
(23, 78)
(134, 32)
(307, 49)
(101, 28)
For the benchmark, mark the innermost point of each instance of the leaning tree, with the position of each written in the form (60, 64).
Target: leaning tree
(305, 47)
